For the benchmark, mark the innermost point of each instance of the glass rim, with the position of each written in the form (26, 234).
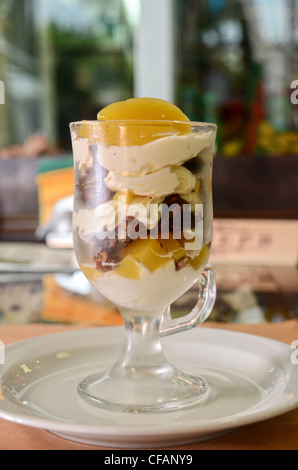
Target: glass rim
(148, 122)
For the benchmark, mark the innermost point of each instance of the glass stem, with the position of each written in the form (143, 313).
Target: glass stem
(142, 347)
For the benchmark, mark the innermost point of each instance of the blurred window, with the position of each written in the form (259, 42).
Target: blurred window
(62, 60)
(236, 62)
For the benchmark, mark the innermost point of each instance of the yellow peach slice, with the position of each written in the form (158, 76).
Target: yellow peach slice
(141, 109)
(149, 253)
(173, 246)
(201, 259)
(129, 269)
(90, 272)
(150, 109)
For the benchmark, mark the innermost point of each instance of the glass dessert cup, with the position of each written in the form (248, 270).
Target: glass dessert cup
(142, 226)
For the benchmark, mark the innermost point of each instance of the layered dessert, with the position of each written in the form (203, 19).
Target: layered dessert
(143, 210)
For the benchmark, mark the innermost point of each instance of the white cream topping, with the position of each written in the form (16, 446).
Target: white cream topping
(81, 152)
(139, 160)
(168, 180)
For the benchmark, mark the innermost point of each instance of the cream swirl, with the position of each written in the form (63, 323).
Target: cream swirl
(140, 160)
(81, 152)
(169, 180)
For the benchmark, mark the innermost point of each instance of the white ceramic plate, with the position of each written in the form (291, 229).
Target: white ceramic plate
(250, 379)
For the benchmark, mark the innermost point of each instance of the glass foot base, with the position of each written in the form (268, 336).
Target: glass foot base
(144, 390)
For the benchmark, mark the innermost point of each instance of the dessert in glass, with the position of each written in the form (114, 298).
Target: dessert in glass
(142, 225)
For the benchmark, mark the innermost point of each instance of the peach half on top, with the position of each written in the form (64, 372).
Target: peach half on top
(131, 122)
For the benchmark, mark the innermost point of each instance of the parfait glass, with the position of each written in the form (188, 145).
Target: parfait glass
(142, 226)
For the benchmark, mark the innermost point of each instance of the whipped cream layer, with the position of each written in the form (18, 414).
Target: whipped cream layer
(155, 168)
(81, 152)
(140, 160)
(154, 291)
(168, 180)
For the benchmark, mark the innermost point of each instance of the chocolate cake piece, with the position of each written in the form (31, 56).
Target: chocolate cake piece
(181, 263)
(110, 252)
(177, 202)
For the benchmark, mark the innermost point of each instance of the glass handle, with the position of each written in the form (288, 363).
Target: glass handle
(200, 312)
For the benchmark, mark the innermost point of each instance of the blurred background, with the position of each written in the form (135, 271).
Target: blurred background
(225, 61)
(232, 62)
